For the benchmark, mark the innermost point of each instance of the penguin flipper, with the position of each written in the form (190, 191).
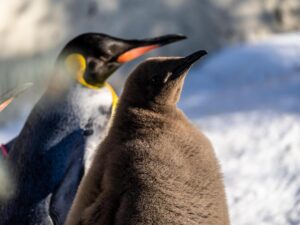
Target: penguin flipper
(64, 195)
(59, 157)
(47, 169)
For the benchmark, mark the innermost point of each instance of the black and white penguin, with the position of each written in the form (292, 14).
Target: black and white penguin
(55, 147)
(6, 187)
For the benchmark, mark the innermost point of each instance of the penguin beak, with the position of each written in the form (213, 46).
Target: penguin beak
(135, 48)
(186, 62)
(5, 103)
(9, 96)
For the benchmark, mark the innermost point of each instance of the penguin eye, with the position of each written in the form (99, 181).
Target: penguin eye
(113, 48)
(111, 66)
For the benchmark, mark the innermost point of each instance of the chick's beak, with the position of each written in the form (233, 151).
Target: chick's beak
(185, 63)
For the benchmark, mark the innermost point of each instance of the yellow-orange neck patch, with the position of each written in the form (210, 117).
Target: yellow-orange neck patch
(115, 97)
(76, 64)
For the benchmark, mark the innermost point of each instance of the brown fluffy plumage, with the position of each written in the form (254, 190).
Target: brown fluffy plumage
(154, 167)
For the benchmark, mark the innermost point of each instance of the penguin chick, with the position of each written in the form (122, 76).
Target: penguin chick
(154, 166)
(54, 149)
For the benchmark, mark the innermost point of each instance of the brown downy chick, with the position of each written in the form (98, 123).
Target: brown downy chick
(154, 167)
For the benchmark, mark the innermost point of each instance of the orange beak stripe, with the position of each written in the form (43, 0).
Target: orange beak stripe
(5, 103)
(134, 53)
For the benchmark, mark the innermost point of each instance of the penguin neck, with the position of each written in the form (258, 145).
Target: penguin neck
(61, 85)
(127, 104)
(128, 114)
(62, 82)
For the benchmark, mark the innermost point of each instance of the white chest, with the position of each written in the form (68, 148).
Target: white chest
(93, 108)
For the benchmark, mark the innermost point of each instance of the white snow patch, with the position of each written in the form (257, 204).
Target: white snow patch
(259, 154)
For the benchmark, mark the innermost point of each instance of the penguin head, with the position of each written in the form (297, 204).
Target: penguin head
(93, 57)
(158, 80)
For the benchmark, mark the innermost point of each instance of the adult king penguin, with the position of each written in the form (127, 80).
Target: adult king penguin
(154, 166)
(65, 126)
(6, 187)
(5, 100)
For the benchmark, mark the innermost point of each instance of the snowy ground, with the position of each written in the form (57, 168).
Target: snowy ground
(259, 153)
(246, 99)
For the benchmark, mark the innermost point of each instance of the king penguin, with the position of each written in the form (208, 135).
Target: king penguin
(154, 167)
(55, 146)
(7, 187)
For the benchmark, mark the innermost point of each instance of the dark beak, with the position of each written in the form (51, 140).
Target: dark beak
(9, 96)
(186, 62)
(135, 48)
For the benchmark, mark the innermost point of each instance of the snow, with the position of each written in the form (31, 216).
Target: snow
(246, 100)
(259, 154)
(31, 27)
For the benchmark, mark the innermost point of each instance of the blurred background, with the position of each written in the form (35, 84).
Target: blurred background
(244, 95)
